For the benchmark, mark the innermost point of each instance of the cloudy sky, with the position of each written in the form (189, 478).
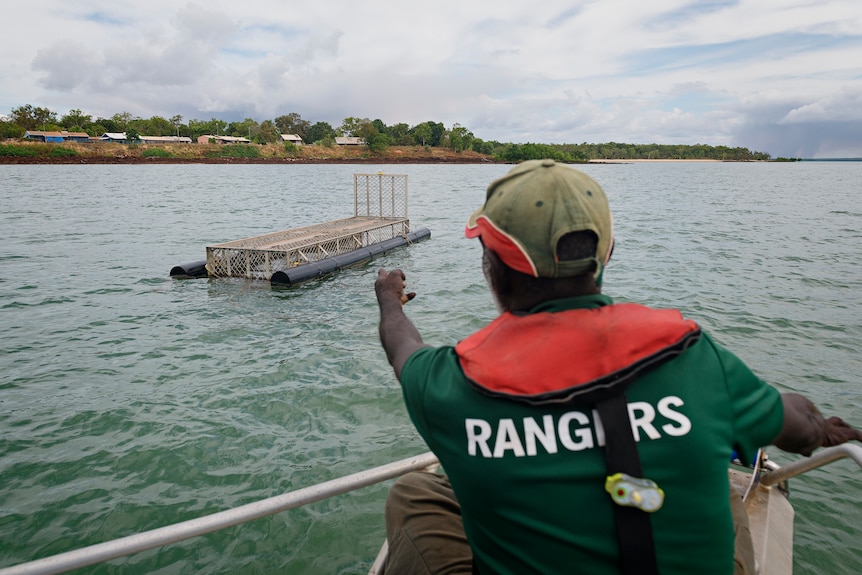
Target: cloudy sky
(777, 76)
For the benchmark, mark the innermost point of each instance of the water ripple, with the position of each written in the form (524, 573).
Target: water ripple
(129, 400)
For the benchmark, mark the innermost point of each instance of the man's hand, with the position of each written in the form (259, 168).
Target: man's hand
(805, 429)
(398, 336)
(839, 431)
(392, 284)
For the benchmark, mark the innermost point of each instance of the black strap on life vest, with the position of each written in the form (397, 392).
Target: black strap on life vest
(634, 530)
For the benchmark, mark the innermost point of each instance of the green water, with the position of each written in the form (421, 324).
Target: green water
(130, 401)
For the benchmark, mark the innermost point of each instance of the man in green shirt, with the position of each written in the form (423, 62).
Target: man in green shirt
(579, 435)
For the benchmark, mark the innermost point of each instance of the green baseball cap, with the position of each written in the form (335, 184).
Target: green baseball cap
(528, 210)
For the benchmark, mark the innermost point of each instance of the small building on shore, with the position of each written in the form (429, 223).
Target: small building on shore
(58, 137)
(123, 138)
(292, 138)
(349, 141)
(114, 138)
(210, 139)
(165, 140)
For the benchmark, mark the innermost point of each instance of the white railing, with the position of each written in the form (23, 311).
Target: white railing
(195, 527)
(818, 459)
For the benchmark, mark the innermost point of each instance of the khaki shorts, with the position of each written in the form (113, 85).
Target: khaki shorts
(426, 535)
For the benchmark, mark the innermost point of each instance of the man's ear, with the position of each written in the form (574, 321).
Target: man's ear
(495, 271)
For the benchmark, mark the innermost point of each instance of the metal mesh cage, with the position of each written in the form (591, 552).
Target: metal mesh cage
(258, 257)
(380, 194)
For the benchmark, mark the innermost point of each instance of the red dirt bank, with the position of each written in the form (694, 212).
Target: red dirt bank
(207, 154)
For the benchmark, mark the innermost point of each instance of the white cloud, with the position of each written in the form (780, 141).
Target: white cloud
(843, 106)
(770, 75)
(68, 66)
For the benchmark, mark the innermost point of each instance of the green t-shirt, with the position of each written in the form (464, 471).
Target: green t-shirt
(530, 479)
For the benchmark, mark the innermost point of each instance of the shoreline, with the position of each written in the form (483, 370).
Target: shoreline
(664, 161)
(137, 160)
(11, 160)
(123, 154)
(109, 153)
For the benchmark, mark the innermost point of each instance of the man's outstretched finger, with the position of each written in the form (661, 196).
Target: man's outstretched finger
(839, 431)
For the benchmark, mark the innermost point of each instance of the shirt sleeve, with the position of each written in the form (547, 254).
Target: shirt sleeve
(415, 374)
(758, 412)
(428, 378)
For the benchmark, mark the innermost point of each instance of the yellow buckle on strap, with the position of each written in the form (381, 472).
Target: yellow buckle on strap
(631, 491)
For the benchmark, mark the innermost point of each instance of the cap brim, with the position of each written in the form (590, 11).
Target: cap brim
(498, 241)
(472, 230)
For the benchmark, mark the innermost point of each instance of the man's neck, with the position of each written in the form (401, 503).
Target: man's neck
(525, 301)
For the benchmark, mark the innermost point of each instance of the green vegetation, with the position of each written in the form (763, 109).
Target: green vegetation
(616, 151)
(291, 149)
(378, 137)
(133, 136)
(520, 152)
(377, 143)
(235, 151)
(613, 151)
(157, 153)
(18, 151)
(10, 130)
(62, 152)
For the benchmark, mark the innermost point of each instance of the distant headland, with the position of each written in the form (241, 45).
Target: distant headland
(36, 135)
(30, 152)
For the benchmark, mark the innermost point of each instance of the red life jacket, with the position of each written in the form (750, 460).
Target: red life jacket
(578, 354)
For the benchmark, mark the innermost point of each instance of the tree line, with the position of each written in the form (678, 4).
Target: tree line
(378, 136)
